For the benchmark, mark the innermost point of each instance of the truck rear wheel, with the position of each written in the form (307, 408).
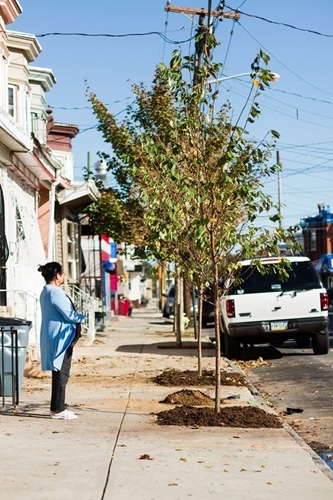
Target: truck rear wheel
(320, 343)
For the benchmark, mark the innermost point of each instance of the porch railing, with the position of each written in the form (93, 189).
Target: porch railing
(24, 305)
(86, 305)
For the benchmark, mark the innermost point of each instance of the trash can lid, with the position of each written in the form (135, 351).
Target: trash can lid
(8, 321)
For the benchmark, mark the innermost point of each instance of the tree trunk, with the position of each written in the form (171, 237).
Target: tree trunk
(199, 334)
(216, 323)
(179, 308)
(217, 341)
(187, 298)
(195, 311)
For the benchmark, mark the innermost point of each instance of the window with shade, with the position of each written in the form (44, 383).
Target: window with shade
(12, 100)
(72, 250)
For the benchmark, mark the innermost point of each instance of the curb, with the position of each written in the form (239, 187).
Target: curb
(319, 461)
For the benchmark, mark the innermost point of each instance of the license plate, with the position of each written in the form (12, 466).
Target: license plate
(279, 325)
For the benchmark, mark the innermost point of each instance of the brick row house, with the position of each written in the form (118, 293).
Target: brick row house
(40, 203)
(317, 233)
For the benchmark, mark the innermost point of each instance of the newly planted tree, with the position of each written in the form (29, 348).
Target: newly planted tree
(195, 178)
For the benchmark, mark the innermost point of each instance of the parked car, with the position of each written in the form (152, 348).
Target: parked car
(262, 308)
(169, 303)
(207, 307)
(208, 315)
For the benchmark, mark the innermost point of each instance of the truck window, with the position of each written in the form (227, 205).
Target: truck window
(301, 276)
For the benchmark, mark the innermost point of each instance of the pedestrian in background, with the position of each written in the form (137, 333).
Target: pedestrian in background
(59, 332)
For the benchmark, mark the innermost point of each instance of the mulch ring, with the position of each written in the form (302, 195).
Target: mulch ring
(235, 416)
(189, 378)
(188, 397)
(196, 409)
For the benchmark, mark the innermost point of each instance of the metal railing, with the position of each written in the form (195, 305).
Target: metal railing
(86, 305)
(25, 305)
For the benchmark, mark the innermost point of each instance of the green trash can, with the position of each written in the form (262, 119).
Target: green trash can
(14, 339)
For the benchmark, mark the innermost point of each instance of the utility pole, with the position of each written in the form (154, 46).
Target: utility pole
(202, 30)
(213, 13)
(88, 166)
(279, 190)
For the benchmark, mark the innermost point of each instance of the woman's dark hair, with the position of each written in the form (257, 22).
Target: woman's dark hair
(50, 270)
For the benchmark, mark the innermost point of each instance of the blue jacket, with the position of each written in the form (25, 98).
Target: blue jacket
(58, 326)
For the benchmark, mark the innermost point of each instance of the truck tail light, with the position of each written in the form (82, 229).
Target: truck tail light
(230, 308)
(324, 301)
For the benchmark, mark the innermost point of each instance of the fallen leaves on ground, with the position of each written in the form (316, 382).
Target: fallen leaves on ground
(145, 456)
(252, 363)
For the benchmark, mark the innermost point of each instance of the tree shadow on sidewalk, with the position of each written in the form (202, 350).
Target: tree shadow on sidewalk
(188, 348)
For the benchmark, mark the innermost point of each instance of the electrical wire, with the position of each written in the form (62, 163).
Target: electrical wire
(79, 108)
(278, 23)
(296, 110)
(228, 48)
(109, 35)
(282, 64)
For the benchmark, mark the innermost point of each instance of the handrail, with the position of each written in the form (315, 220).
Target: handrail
(85, 304)
(25, 304)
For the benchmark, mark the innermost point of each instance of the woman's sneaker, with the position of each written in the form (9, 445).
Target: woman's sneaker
(64, 415)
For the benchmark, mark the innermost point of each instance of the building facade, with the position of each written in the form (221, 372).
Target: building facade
(318, 244)
(40, 203)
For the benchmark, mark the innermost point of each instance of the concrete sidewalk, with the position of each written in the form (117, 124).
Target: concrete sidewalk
(115, 450)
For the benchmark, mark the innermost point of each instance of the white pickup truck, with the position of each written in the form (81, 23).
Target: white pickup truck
(262, 308)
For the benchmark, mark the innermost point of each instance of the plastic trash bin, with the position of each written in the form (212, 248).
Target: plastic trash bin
(124, 307)
(14, 339)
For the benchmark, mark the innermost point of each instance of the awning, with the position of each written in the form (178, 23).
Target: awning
(108, 266)
(13, 137)
(78, 194)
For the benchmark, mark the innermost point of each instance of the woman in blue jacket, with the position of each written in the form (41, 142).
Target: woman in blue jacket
(57, 336)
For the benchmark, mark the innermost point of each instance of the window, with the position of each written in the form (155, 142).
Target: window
(27, 125)
(72, 250)
(301, 276)
(34, 123)
(4, 250)
(12, 100)
(313, 241)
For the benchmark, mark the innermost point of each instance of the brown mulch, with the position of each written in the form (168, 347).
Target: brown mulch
(235, 416)
(196, 409)
(189, 397)
(189, 378)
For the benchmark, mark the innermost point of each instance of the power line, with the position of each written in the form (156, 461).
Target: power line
(278, 23)
(79, 108)
(282, 64)
(109, 35)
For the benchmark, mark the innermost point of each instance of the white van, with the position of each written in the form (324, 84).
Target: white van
(262, 308)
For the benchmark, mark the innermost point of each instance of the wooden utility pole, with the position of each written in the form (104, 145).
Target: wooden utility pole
(279, 189)
(213, 13)
(202, 30)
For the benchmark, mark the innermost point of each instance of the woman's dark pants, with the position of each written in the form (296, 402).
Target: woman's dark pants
(59, 382)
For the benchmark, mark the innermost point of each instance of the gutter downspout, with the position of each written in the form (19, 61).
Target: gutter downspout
(52, 200)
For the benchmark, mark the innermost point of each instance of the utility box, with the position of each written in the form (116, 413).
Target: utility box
(14, 339)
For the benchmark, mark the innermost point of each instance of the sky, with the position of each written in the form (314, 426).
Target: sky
(297, 35)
